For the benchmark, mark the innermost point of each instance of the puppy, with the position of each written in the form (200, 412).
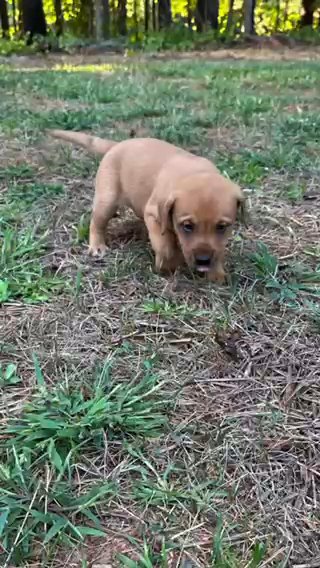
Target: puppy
(188, 207)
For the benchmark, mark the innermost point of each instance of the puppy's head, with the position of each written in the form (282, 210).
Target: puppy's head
(202, 210)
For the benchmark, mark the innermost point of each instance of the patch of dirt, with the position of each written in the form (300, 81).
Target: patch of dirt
(43, 103)
(263, 52)
(14, 152)
(136, 128)
(300, 108)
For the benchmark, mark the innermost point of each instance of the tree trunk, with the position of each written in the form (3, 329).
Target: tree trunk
(230, 16)
(98, 13)
(122, 17)
(146, 15)
(106, 18)
(4, 18)
(91, 22)
(85, 18)
(207, 14)
(59, 17)
(308, 9)
(189, 14)
(20, 17)
(136, 19)
(285, 11)
(154, 16)
(34, 21)
(14, 16)
(164, 13)
(249, 8)
(277, 22)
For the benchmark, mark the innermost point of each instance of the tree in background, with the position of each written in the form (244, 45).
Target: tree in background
(230, 16)
(106, 18)
(98, 16)
(164, 14)
(4, 18)
(102, 19)
(207, 14)
(85, 19)
(309, 7)
(59, 17)
(122, 17)
(146, 15)
(249, 9)
(33, 18)
(14, 15)
(20, 18)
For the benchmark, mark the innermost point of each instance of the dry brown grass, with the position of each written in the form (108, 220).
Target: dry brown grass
(242, 369)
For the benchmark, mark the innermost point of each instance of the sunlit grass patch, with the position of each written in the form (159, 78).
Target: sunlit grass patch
(89, 68)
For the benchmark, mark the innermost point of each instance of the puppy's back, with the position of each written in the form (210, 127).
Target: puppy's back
(145, 165)
(139, 162)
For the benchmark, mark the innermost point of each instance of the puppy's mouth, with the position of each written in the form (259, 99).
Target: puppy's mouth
(203, 263)
(202, 268)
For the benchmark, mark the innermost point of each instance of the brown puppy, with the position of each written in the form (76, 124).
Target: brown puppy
(189, 208)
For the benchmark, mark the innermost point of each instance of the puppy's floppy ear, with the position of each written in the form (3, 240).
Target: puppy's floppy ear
(164, 213)
(242, 215)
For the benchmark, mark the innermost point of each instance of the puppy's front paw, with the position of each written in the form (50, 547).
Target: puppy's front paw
(160, 264)
(217, 275)
(97, 251)
(163, 264)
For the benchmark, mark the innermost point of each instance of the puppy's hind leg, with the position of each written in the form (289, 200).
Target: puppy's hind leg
(105, 205)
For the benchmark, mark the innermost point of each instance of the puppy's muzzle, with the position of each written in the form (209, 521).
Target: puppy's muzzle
(203, 262)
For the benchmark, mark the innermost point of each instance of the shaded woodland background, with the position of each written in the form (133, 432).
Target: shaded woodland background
(155, 22)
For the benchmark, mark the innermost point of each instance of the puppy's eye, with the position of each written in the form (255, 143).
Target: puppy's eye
(187, 227)
(221, 228)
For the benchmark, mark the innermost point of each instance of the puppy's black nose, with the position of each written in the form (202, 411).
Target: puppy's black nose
(203, 261)
(203, 258)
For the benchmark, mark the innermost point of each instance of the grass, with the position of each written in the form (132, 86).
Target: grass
(55, 429)
(149, 421)
(22, 275)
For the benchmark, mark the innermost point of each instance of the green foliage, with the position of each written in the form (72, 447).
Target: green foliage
(14, 46)
(55, 429)
(131, 263)
(149, 558)
(56, 424)
(179, 37)
(287, 285)
(82, 229)
(165, 493)
(22, 274)
(169, 309)
(79, 26)
(16, 172)
(294, 192)
(8, 375)
(31, 509)
(223, 556)
(32, 192)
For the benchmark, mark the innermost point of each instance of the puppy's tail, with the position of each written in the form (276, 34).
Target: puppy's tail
(93, 144)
